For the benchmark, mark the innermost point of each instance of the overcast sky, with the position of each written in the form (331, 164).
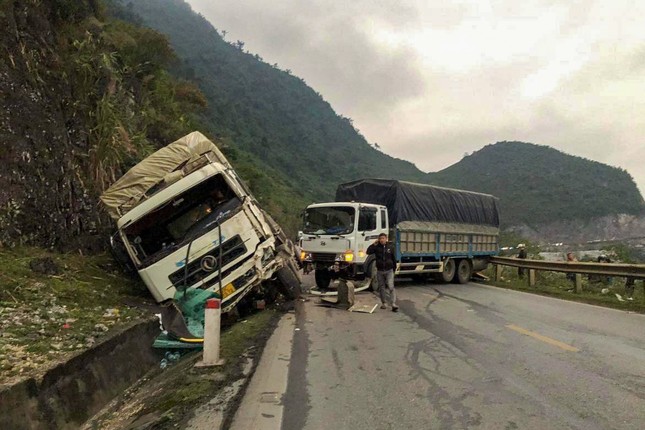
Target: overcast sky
(429, 80)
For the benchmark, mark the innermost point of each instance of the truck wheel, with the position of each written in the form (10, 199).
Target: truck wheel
(294, 268)
(464, 271)
(322, 278)
(288, 284)
(449, 270)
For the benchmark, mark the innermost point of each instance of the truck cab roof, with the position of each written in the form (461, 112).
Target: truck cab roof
(179, 158)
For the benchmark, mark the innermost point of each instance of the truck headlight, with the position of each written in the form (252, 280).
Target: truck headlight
(348, 256)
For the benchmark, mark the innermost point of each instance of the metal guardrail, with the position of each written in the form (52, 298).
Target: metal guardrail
(636, 271)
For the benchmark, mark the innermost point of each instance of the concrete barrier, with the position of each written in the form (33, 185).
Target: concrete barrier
(70, 393)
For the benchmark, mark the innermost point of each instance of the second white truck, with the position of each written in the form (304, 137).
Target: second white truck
(437, 232)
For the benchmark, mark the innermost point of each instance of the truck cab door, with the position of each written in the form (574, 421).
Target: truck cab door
(383, 222)
(367, 227)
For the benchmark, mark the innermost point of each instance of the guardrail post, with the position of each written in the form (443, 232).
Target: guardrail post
(578, 283)
(531, 277)
(498, 272)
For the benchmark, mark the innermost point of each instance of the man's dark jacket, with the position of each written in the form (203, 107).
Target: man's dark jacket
(385, 257)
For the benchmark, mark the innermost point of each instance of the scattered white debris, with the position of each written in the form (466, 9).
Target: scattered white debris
(101, 327)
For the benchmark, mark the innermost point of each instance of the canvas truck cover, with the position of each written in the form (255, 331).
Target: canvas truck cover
(126, 192)
(407, 201)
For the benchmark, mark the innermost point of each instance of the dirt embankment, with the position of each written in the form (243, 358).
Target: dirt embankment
(55, 305)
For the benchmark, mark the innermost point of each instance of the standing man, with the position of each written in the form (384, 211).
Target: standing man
(521, 255)
(571, 258)
(385, 265)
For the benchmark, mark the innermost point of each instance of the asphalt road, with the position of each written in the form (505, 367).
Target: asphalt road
(465, 356)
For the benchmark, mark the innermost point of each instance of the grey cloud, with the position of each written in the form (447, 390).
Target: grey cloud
(324, 45)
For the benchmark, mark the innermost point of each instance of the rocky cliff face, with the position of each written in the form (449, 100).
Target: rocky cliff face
(608, 228)
(43, 199)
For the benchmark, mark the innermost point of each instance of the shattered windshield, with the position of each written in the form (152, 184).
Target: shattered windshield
(182, 219)
(329, 220)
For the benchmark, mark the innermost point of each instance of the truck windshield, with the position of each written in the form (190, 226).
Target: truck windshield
(182, 219)
(329, 220)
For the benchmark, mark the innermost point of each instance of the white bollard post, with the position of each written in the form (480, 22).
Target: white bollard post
(212, 318)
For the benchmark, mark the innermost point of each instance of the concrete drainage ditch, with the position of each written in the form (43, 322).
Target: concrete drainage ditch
(70, 393)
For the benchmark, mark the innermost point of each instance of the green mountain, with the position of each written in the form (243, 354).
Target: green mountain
(538, 184)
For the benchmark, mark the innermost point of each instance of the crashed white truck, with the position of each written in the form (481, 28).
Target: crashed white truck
(186, 221)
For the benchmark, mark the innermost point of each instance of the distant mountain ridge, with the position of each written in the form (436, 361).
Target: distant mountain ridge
(537, 184)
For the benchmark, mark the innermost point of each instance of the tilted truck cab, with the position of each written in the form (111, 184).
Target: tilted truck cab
(187, 221)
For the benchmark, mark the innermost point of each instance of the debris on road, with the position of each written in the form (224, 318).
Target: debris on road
(368, 309)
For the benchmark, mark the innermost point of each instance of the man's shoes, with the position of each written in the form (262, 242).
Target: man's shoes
(630, 298)
(383, 306)
(395, 308)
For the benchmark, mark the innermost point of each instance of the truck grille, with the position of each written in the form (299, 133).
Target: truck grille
(323, 256)
(231, 250)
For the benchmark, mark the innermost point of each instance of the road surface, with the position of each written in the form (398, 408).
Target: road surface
(454, 357)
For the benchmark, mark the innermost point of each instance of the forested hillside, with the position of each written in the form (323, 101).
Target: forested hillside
(539, 185)
(268, 112)
(87, 91)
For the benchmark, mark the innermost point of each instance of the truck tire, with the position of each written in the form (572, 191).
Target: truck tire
(322, 278)
(288, 284)
(464, 271)
(449, 270)
(295, 269)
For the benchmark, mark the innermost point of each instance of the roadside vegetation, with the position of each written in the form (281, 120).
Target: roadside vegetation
(601, 292)
(53, 305)
(597, 290)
